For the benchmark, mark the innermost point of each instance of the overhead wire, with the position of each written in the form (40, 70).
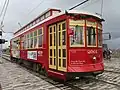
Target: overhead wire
(36, 7)
(4, 12)
(90, 4)
(3, 8)
(32, 10)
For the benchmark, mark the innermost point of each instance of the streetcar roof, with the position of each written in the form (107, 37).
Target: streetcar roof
(58, 14)
(84, 12)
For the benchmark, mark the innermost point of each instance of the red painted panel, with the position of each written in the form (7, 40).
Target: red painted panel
(87, 68)
(85, 58)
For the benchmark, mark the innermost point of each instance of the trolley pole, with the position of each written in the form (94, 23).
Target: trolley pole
(1, 39)
(1, 49)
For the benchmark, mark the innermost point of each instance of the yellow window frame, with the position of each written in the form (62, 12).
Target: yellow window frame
(94, 25)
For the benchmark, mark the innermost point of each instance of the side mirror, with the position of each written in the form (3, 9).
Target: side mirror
(106, 36)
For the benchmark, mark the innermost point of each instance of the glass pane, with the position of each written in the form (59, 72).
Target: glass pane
(64, 52)
(50, 61)
(50, 29)
(50, 52)
(50, 39)
(54, 53)
(27, 43)
(40, 32)
(35, 42)
(40, 41)
(54, 61)
(31, 34)
(64, 37)
(31, 43)
(54, 39)
(91, 36)
(64, 62)
(59, 27)
(59, 52)
(35, 33)
(78, 36)
(59, 38)
(54, 29)
(63, 26)
(27, 35)
(100, 37)
(60, 62)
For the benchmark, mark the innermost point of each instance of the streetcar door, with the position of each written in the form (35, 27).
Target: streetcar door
(57, 46)
(62, 60)
(52, 47)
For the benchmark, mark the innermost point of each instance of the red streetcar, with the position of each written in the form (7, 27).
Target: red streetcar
(61, 44)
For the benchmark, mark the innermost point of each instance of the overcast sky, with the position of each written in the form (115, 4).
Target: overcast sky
(23, 11)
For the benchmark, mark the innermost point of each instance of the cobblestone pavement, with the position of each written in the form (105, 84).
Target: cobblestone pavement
(113, 63)
(12, 77)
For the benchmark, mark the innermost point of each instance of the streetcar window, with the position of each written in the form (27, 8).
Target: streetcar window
(27, 43)
(35, 42)
(40, 41)
(64, 37)
(54, 53)
(64, 52)
(54, 39)
(50, 61)
(99, 37)
(60, 62)
(50, 52)
(59, 52)
(31, 40)
(64, 62)
(35, 33)
(50, 39)
(59, 27)
(91, 36)
(40, 37)
(59, 38)
(50, 29)
(77, 39)
(54, 61)
(27, 35)
(24, 42)
(63, 26)
(35, 39)
(16, 44)
(31, 43)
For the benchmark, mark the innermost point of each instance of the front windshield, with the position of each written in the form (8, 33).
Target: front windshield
(91, 36)
(88, 34)
(77, 38)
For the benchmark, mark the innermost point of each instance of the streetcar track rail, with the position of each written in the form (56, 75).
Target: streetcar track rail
(71, 85)
(61, 85)
(112, 83)
(111, 71)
